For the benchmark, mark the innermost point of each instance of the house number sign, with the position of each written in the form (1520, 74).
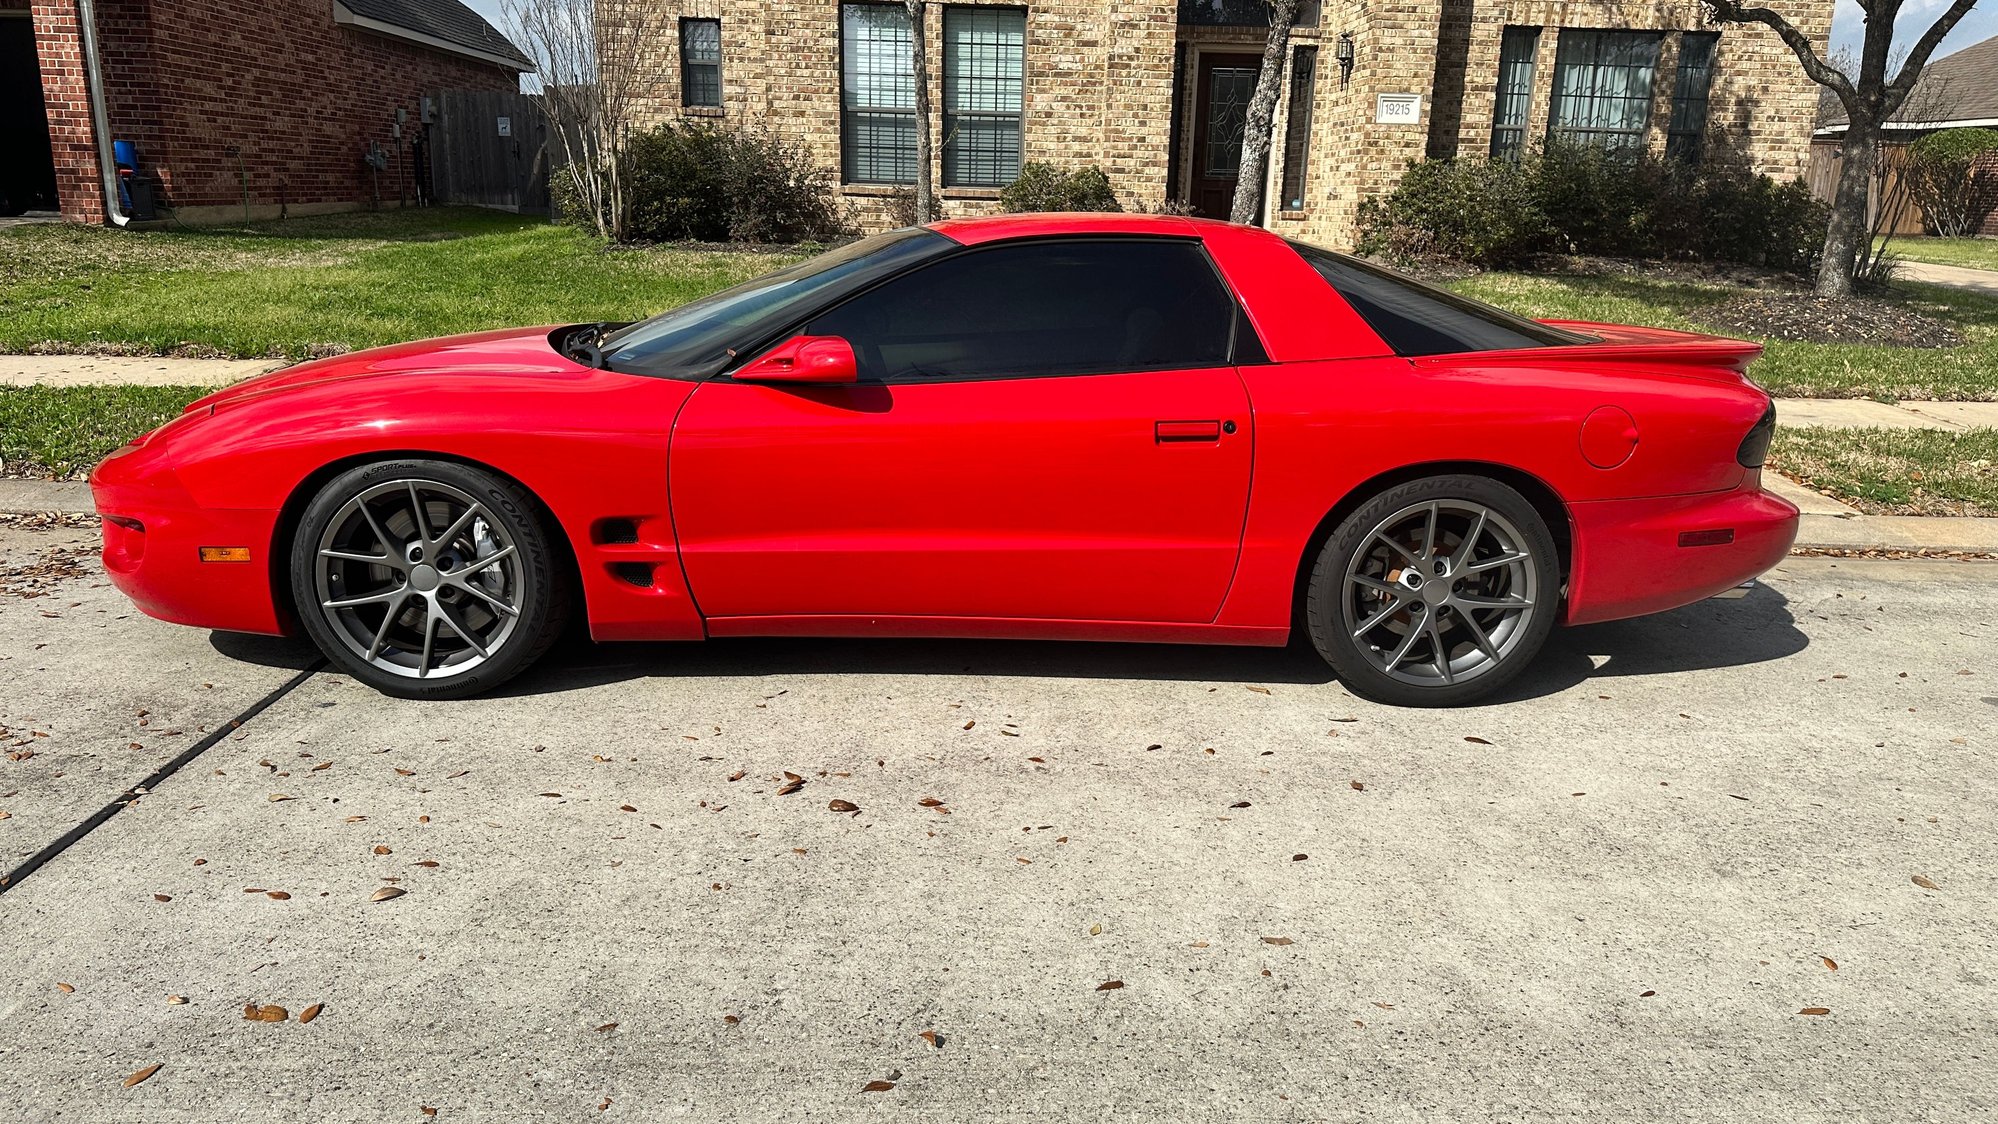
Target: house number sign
(1398, 109)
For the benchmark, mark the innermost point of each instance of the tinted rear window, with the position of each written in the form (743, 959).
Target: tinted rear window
(1418, 319)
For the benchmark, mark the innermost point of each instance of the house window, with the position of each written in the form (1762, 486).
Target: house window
(700, 62)
(877, 91)
(984, 62)
(1517, 48)
(1602, 87)
(1297, 126)
(1689, 96)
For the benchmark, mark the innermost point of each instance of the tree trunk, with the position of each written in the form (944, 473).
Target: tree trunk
(926, 187)
(1253, 173)
(1847, 232)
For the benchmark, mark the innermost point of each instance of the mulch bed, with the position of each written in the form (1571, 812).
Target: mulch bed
(1810, 318)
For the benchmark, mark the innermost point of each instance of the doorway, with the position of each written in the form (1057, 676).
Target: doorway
(27, 160)
(1224, 85)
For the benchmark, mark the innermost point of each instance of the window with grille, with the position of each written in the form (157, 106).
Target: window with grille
(1602, 87)
(700, 62)
(877, 90)
(984, 70)
(1517, 48)
(1297, 126)
(1689, 96)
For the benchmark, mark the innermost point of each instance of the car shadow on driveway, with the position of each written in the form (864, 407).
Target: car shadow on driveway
(1709, 634)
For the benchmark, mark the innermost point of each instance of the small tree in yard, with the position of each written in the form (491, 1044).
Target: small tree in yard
(1870, 98)
(1942, 172)
(1257, 131)
(591, 57)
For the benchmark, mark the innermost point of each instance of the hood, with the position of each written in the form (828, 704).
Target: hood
(509, 351)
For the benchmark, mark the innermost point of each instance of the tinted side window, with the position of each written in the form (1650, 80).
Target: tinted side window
(1041, 308)
(1418, 319)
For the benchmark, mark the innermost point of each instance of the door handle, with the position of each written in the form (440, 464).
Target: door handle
(1186, 431)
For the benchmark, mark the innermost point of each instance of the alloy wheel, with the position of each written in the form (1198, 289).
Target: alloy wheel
(418, 578)
(1440, 593)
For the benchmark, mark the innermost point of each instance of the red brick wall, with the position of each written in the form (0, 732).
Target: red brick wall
(297, 97)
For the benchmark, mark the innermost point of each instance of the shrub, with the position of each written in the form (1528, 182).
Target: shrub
(1044, 187)
(696, 181)
(1942, 175)
(1484, 212)
(1578, 200)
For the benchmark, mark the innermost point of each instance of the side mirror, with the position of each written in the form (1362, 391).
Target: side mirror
(818, 360)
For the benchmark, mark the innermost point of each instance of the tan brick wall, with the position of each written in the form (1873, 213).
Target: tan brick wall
(1099, 88)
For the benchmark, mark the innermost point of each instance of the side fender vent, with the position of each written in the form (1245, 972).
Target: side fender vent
(617, 532)
(633, 573)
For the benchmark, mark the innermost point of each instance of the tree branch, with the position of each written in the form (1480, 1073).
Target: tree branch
(1918, 55)
(1733, 11)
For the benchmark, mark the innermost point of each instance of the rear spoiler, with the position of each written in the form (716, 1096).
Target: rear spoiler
(1622, 343)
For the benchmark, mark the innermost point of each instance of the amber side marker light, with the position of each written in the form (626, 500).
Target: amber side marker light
(1707, 538)
(225, 554)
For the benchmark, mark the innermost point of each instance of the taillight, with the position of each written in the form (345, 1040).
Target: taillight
(1755, 447)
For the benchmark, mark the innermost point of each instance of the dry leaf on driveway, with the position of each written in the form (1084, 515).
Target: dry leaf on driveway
(877, 1086)
(1815, 1011)
(1830, 964)
(1924, 883)
(142, 1075)
(1278, 940)
(1110, 985)
(933, 1038)
(387, 892)
(843, 806)
(310, 1013)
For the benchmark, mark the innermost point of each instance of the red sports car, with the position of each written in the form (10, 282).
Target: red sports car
(1091, 427)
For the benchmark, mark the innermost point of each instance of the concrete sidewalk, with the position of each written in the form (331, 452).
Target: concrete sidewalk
(127, 370)
(1953, 276)
(1863, 413)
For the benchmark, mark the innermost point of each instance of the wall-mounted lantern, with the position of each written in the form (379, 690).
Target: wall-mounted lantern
(1344, 53)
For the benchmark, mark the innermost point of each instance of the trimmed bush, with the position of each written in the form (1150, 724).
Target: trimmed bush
(698, 182)
(1942, 175)
(1570, 199)
(1044, 187)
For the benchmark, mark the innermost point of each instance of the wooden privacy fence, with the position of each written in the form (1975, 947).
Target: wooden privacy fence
(1889, 190)
(488, 148)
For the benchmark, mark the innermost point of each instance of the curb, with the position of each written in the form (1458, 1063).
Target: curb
(39, 497)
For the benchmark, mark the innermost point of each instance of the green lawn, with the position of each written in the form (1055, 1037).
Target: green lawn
(1810, 370)
(356, 280)
(1895, 471)
(59, 431)
(1972, 253)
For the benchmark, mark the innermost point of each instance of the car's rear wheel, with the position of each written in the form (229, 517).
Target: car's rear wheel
(427, 579)
(1435, 592)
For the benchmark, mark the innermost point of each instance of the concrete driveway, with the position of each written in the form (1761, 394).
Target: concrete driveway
(1111, 882)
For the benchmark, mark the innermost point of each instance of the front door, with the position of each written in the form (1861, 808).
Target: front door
(1227, 82)
(1047, 430)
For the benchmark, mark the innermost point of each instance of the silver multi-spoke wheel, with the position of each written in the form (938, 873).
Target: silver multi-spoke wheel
(418, 578)
(1440, 592)
(1435, 591)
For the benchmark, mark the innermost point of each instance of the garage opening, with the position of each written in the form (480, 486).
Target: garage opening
(27, 159)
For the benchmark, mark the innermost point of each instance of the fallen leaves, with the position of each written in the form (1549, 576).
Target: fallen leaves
(933, 1038)
(1830, 964)
(162, 897)
(606, 1028)
(310, 1013)
(277, 895)
(264, 1014)
(66, 989)
(1260, 690)
(279, 798)
(877, 1086)
(383, 849)
(1278, 940)
(1357, 786)
(142, 1074)
(1924, 883)
(1815, 1011)
(1299, 858)
(1110, 985)
(386, 893)
(843, 806)
(1476, 740)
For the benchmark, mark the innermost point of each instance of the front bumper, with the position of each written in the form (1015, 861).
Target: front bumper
(1629, 559)
(153, 535)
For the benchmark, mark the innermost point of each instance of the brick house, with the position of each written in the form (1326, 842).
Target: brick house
(1155, 91)
(266, 108)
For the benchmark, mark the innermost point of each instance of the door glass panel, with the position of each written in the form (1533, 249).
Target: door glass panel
(1228, 94)
(1044, 308)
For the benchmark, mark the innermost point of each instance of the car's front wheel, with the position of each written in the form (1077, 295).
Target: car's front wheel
(1435, 592)
(427, 579)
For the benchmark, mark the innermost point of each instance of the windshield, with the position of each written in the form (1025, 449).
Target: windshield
(699, 338)
(1418, 319)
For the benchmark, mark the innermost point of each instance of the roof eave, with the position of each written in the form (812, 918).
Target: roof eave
(346, 16)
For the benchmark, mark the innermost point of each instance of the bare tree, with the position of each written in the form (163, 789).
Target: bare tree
(590, 56)
(1257, 132)
(919, 57)
(1870, 98)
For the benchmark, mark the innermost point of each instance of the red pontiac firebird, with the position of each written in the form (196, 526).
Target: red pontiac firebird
(1091, 427)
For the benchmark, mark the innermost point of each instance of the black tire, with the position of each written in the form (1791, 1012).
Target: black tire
(1511, 572)
(530, 579)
